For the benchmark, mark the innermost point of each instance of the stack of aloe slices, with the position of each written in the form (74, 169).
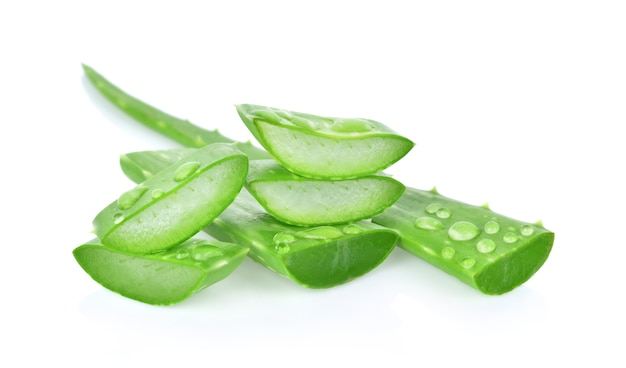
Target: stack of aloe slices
(144, 247)
(309, 241)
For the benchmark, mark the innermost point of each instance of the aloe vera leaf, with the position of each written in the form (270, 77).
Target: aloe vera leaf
(175, 202)
(527, 270)
(324, 147)
(491, 252)
(161, 278)
(179, 130)
(302, 201)
(314, 257)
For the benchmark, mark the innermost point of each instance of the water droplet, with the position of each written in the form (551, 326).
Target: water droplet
(443, 213)
(320, 232)
(303, 122)
(468, 262)
(128, 199)
(509, 237)
(285, 238)
(433, 208)
(486, 246)
(117, 218)
(463, 230)
(204, 252)
(448, 252)
(266, 115)
(527, 230)
(282, 248)
(182, 254)
(157, 193)
(492, 227)
(428, 223)
(283, 114)
(185, 170)
(351, 125)
(351, 229)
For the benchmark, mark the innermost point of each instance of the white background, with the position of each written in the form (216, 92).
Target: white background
(516, 103)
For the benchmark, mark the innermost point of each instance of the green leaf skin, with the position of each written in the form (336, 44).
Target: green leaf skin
(492, 253)
(163, 278)
(323, 147)
(301, 201)
(175, 202)
(179, 130)
(314, 257)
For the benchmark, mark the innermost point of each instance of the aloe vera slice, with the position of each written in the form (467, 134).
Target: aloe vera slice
(302, 201)
(174, 203)
(324, 147)
(488, 251)
(314, 257)
(162, 278)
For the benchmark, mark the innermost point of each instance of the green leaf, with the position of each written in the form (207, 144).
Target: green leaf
(162, 278)
(324, 147)
(314, 257)
(175, 202)
(486, 250)
(302, 201)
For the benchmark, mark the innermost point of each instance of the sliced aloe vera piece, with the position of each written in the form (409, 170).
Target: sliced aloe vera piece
(302, 201)
(314, 257)
(174, 203)
(161, 278)
(324, 147)
(488, 251)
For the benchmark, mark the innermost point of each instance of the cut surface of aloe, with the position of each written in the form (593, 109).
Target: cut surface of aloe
(324, 147)
(161, 278)
(173, 204)
(302, 201)
(493, 253)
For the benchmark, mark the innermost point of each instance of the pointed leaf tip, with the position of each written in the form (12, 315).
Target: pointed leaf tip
(434, 190)
(486, 206)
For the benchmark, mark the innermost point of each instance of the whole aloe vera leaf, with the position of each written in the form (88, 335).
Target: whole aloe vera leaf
(324, 147)
(314, 257)
(491, 252)
(161, 278)
(175, 202)
(179, 130)
(302, 201)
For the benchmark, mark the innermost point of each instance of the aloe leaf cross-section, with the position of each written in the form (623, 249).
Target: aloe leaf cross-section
(302, 201)
(162, 278)
(488, 251)
(174, 203)
(324, 147)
